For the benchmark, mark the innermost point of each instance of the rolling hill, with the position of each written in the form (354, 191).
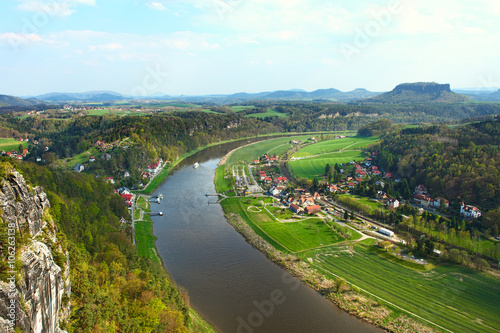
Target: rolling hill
(6, 100)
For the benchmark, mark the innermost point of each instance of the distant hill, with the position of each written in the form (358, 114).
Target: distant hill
(486, 97)
(420, 92)
(6, 100)
(90, 97)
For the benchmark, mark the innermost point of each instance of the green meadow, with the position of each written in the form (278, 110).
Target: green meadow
(256, 150)
(11, 144)
(315, 167)
(459, 299)
(269, 113)
(289, 237)
(336, 145)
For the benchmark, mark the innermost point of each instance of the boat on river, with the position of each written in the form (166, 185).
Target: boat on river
(196, 165)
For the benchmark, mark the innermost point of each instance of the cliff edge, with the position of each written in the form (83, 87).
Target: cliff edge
(35, 284)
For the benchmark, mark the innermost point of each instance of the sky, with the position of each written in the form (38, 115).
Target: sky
(199, 47)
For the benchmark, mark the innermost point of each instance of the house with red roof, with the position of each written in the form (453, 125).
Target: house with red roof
(313, 209)
(296, 209)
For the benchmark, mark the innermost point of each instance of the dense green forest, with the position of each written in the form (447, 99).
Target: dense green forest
(113, 288)
(460, 163)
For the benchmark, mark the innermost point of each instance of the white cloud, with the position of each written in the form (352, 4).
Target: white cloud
(105, 47)
(156, 5)
(53, 8)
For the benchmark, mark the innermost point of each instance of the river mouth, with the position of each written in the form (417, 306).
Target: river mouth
(233, 285)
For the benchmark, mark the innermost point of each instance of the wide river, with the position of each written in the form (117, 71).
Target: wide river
(230, 283)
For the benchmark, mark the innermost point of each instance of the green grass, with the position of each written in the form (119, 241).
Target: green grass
(99, 112)
(239, 108)
(284, 236)
(82, 157)
(12, 144)
(142, 203)
(303, 235)
(269, 113)
(145, 239)
(454, 297)
(315, 167)
(256, 150)
(336, 145)
(221, 185)
(366, 201)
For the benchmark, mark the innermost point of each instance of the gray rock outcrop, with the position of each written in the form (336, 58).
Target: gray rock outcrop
(36, 287)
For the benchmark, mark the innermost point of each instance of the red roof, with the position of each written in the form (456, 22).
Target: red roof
(351, 184)
(127, 197)
(295, 207)
(268, 179)
(388, 175)
(311, 209)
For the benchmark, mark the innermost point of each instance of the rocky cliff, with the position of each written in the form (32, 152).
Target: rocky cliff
(35, 287)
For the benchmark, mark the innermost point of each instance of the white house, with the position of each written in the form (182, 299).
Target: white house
(470, 211)
(392, 203)
(79, 168)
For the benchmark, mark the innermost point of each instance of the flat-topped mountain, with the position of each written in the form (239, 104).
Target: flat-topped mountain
(420, 92)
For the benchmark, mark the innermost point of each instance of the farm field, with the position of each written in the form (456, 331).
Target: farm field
(459, 299)
(256, 150)
(269, 113)
(315, 167)
(11, 144)
(336, 145)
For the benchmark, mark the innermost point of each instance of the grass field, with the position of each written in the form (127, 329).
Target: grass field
(454, 297)
(315, 167)
(256, 150)
(366, 201)
(269, 113)
(11, 144)
(336, 145)
(221, 185)
(239, 108)
(285, 236)
(145, 239)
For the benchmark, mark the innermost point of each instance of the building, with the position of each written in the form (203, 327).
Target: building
(423, 200)
(437, 203)
(296, 209)
(392, 203)
(420, 189)
(79, 168)
(470, 211)
(385, 232)
(313, 209)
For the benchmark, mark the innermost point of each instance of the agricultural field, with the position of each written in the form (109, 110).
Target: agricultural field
(11, 144)
(459, 299)
(315, 167)
(254, 151)
(269, 113)
(336, 145)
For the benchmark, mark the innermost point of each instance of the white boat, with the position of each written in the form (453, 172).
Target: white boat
(196, 165)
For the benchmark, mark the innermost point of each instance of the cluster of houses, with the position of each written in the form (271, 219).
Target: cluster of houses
(125, 193)
(301, 201)
(15, 154)
(423, 199)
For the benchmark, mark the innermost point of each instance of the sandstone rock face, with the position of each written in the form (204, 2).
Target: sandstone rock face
(41, 288)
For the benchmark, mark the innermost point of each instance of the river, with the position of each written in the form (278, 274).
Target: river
(230, 283)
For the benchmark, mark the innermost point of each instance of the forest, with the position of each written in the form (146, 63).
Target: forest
(113, 288)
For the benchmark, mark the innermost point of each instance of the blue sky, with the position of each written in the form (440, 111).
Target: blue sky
(190, 47)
